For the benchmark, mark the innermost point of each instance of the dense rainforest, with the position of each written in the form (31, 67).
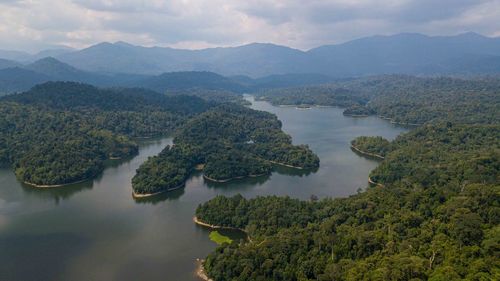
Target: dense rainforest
(435, 219)
(230, 141)
(433, 215)
(402, 99)
(326, 95)
(61, 132)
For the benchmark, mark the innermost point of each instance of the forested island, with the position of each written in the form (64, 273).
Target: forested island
(230, 141)
(405, 100)
(434, 219)
(61, 132)
(433, 215)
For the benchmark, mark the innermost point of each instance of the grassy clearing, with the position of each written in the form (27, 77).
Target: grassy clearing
(219, 238)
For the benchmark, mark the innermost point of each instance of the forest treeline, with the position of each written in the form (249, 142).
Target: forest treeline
(434, 215)
(402, 99)
(436, 218)
(61, 132)
(230, 141)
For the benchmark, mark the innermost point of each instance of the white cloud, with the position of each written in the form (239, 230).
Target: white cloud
(35, 24)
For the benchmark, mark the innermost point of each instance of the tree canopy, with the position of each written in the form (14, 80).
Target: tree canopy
(417, 227)
(230, 141)
(434, 214)
(61, 132)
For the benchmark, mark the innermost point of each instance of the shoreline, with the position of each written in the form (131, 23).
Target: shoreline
(380, 157)
(43, 186)
(146, 195)
(211, 226)
(308, 106)
(373, 183)
(391, 120)
(200, 270)
(356, 115)
(398, 123)
(230, 179)
(286, 165)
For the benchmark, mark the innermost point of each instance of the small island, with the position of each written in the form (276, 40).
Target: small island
(227, 142)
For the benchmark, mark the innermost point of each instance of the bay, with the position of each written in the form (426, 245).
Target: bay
(96, 230)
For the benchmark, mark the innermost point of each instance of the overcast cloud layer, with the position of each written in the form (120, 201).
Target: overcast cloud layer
(37, 24)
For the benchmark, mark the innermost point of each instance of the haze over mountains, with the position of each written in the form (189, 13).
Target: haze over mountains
(122, 64)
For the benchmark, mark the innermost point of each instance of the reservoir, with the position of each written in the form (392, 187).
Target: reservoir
(96, 231)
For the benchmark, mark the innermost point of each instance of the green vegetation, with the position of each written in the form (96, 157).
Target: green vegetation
(443, 154)
(326, 95)
(371, 146)
(219, 238)
(218, 96)
(435, 218)
(60, 132)
(166, 171)
(231, 141)
(356, 110)
(403, 99)
(442, 226)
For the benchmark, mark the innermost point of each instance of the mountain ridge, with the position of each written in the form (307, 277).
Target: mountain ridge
(404, 53)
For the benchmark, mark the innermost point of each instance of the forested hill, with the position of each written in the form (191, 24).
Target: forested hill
(403, 99)
(231, 142)
(432, 214)
(15, 77)
(61, 132)
(177, 81)
(78, 96)
(435, 218)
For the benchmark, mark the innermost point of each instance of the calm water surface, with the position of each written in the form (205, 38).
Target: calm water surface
(96, 231)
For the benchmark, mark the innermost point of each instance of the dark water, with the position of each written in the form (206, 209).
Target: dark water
(96, 231)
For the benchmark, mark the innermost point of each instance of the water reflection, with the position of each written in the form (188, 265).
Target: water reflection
(57, 193)
(165, 196)
(288, 171)
(49, 255)
(366, 155)
(238, 184)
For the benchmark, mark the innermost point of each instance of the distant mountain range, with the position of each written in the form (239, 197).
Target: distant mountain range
(16, 77)
(123, 64)
(25, 57)
(406, 53)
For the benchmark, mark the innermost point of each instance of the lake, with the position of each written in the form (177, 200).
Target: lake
(97, 231)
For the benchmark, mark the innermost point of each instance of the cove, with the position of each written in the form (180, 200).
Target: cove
(96, 231)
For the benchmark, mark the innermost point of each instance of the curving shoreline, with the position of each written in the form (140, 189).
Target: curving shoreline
(398, 123)
(234, 178)
(286, 165)
(365, 153)
(146, 195)
(212, 226)
(47, 186)
(373, 183)
(200, 270)
(356, 115)
(43, 186)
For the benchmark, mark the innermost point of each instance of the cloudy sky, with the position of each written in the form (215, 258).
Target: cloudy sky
(37, 24)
